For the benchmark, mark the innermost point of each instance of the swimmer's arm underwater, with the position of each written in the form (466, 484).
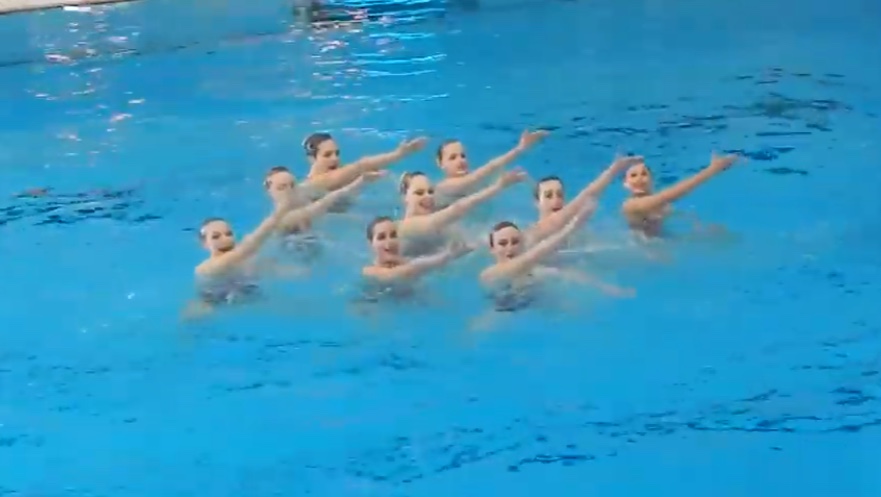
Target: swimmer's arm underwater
(649, 203)
(457, 210)
(340, 177)
(457, 186)
(528, 260)
(196, 309)
(584, 279)
(276, 268)
(244, 250)
(417, 267)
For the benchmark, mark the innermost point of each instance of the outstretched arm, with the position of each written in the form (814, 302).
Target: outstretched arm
(533, 256)
(583, 278)
(458, 186)
(340, 177)
(457, 210)
(417, 267)
(557, 220)
(321, 206)
(245, 249)
(680, 189)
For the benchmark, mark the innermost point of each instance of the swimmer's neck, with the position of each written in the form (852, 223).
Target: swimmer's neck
(315, 173)
(214, 254)
(388, 263)
(409, 212)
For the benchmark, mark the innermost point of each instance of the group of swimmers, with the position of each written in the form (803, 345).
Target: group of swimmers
(426, 238)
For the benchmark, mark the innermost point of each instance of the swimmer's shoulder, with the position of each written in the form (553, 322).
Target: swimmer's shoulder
(374, 273)
(630, 207)
(204, 269)
(406, 224)
(493, 276)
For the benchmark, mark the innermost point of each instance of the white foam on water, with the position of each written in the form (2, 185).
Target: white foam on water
(9, 6)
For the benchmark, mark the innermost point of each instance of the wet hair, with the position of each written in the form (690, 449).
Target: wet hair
(205, 223)
(311, 143)
(537, 189)
(443, 145)
(372, 225)
(500, 226)
(406, 178)
(272, 171)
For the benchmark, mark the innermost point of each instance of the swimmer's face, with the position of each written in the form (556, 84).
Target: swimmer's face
(507, 243)
(217, 237)
(550, 197)
(638, 179)
(280, 184)
(420, 196)
(327, 157)
(453, 160)
(384, 240)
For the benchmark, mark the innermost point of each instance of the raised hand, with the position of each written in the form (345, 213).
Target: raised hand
(622, 162)
(512, 177)
(723, 162)
(371, 176)
(530, 138)
(414, 145)
(459, 248)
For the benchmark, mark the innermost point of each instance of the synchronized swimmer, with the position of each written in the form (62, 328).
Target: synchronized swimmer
(427, 238)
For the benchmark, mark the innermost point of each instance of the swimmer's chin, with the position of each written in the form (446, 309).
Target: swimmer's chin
(391, 254)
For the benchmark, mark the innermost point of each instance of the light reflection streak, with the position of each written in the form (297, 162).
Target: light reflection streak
(342, 66)
(82, 90)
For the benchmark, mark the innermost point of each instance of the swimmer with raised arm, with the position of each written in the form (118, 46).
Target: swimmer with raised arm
(388, 263)
(295, 227)
(554, 212)
(326, 173)
(393, 276)
(229, 273)
(424, 228)
(460, 181)
(647, 210)
(517, 268)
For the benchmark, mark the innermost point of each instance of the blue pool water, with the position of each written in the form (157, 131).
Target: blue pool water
(739, 369)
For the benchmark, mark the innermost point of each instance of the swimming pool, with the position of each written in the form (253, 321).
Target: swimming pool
(749, 369)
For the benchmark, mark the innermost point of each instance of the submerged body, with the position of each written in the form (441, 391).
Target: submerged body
(228, 289)
(515, 295)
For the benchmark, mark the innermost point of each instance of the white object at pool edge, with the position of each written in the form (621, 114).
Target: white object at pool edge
(9, 6)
